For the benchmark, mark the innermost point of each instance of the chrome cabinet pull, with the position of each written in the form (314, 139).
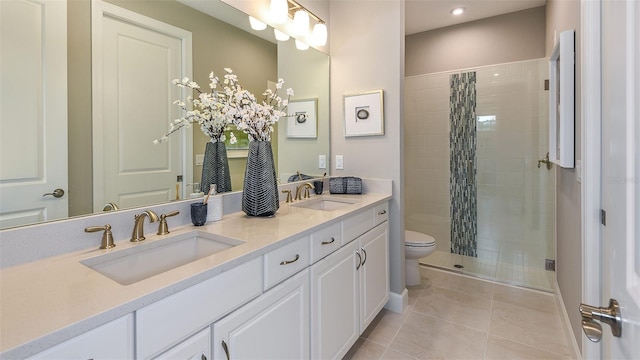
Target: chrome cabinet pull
(287, 262)
(329, 242)
(203, 357)
(57, 193)
(382, 212)
(359, 260)
(365, 255)
(226, 349)
(609, 315)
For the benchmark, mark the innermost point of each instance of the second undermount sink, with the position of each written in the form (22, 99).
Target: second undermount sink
(148, 259)
(326, 203)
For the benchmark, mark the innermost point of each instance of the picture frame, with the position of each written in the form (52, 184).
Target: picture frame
(302, 121)
(241, 148)
(364, 114)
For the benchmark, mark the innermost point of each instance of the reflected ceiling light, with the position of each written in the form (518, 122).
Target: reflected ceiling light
(279, 10)
(319, 34)
(256, 24)
(300, 45)
(457, 11)
(301, 22)
(280, 36)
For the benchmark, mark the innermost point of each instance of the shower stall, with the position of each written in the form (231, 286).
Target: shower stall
(473, 139)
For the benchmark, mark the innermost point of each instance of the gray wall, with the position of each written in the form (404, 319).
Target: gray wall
(565, 15)
(367, 53)
(499, 39)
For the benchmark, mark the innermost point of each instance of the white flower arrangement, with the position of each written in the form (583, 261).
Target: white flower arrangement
(216, 110)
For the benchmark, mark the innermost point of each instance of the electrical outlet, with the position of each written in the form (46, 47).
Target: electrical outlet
(339, 162)
(322, 161)
(199, 159)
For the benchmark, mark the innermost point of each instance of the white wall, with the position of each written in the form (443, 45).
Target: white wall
(367, 53)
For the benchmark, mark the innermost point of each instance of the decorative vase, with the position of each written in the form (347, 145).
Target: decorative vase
(260, 193)
(215, 168)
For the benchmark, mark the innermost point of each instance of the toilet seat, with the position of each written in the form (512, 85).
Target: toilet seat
(416, 239)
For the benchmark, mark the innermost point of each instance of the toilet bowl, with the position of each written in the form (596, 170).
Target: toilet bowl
(416, 246)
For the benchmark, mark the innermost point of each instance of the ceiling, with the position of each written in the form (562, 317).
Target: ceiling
(424, 15)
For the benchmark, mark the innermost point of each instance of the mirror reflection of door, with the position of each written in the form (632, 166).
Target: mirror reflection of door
(135, 58)
(33, 111)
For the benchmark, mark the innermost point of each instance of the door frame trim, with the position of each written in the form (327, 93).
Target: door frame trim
(100, 9)
(591, 189)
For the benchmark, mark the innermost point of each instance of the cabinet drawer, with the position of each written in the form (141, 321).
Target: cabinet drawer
(381, 213)
(283, 262)
(113, 340)
(196, 347)
(325, 241)
(171, 320)
(356, 225)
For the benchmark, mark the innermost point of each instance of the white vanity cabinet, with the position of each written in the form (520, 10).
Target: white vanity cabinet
(113, 340)
(273, 326)
(348, 289)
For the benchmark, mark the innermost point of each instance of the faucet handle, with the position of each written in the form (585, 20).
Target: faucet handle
(288, 192)
(107, 236)
(307, 187)
(163, 228)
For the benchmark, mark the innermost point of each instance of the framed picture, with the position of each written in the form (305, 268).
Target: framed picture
(241, 148)
(302, 121)
(364, 114)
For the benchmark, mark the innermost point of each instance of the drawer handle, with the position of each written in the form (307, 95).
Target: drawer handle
(382, 212)
(365, 256)
(226, 349)
(203, 357)
(329, 242)
(359, 260)
(287, 262)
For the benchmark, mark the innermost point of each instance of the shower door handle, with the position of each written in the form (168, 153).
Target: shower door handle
(545, 161)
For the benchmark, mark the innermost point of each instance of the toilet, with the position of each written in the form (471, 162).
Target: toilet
(416, 245)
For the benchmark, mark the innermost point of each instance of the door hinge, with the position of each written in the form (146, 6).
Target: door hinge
(546, 84)
(603, 217)
(549, 265)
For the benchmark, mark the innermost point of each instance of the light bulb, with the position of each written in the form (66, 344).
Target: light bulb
(279, 10)
(319, 34)
(300, 45)
(457, 11)
(280, 36)
(301, 22)
(256, 24)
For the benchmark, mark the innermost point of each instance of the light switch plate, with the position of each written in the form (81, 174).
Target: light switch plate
(339, 162)
(199, 159)
(322, 161)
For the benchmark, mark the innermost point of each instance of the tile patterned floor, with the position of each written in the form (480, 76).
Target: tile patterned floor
(451, 316)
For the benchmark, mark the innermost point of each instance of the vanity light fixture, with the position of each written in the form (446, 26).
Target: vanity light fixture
(257, 24)
(301, 45)
(280, 36)
(457, 11)
(279, 10)
(319, 34)
(301, 22)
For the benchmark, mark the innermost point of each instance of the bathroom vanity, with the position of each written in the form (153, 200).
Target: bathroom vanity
(303, 284)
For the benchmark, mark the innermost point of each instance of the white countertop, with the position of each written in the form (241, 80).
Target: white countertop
(48, 301)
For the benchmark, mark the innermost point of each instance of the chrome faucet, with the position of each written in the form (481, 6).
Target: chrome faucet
(306, 187)
(138, 227)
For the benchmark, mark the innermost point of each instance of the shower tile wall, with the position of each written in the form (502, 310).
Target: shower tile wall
(515, 198)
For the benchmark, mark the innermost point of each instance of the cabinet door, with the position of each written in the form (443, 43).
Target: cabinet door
(334, 304)
(197, 347)
(273, 326)
(374, 273)
(113, 340)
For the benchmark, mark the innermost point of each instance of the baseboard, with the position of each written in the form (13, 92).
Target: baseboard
(398, 302)
(566, 324)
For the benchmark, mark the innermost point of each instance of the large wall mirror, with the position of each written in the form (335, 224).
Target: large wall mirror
(220, 38)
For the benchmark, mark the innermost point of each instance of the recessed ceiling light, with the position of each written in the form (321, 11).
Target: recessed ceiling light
(457, 11)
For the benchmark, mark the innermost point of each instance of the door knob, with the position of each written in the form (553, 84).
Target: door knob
(57, 193)
(545, 161)
(609, 315)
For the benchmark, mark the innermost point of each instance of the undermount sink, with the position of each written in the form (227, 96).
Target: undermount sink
(325, 203)
(148, 259)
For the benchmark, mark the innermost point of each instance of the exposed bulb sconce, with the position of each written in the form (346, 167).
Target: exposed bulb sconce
(256, 24)
(319, 34)
(300, 45)
(279, 10)
(457, 11)
(280, 36)
(301, 22)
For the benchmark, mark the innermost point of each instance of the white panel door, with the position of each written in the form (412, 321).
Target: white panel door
(621, 172)
(33, 110)
(133, 105)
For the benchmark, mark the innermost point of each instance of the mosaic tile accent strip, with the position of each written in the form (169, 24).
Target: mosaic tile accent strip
(463, 189)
